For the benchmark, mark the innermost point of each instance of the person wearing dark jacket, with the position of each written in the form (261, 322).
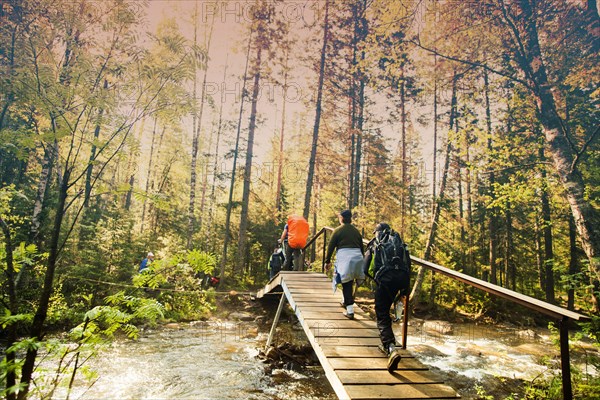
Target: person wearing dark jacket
(389, 282)
(346, 240)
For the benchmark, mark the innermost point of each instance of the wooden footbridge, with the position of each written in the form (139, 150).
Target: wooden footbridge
(347, 349)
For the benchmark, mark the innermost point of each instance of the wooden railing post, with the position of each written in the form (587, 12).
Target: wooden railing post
(324, 250)
(565, 362)
(405, 322)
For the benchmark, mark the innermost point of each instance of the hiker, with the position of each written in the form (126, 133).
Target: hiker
(346, 240)
(391, 281)
(276, 261)
(146, 262)
(294, 237)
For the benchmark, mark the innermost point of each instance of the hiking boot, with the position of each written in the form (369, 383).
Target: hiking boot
(394, 359)
(386, 349)
(348, 315)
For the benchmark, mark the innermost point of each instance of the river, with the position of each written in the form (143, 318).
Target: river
(204, 360)
(218, 360)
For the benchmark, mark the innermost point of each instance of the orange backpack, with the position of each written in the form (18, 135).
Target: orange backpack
(297, 232)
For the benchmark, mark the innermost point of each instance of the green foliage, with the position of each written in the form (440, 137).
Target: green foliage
(592, 328)
(120, 313)
(481, 393)
(8, 319)
(175, 282)
(201, 261)
(65, 359)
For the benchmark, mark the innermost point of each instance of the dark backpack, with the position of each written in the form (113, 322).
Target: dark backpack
(393, 252)
(275, 263)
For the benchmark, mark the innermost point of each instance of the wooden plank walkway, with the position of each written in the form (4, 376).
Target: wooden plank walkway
(347, 349)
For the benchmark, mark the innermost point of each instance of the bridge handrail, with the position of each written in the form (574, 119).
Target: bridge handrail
(524, 300)
(561, 314)
(314, 238)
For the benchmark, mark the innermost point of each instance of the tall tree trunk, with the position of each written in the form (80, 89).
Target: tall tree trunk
(39, 318)
(197, 126)
(202, 101)
(86, 228)
(531, 62)
(92, 158)
(435, 134)
(360, 31)
(205, 181)
(213, 198)
(282, 136)
(493, 211)
(511, 272)
(16, 17)
(461, 208)
(468, 223)
(352, 137)
(315, 137)
(50, 156)
(351, 159)
(359, 145)
(149, 174)
(158, 181)
(547, 229)
(539, 254)
(573, 264)
(404, 186)
(242, 241)
(132, 168)
(416, 290)
(11, 329)
(227, 238)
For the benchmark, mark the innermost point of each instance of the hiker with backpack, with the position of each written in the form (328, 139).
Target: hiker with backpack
(387, 262)
(294, 237)
(346, 240)
(276, 261)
